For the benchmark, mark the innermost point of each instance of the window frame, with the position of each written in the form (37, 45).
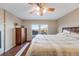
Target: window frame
(39, 31)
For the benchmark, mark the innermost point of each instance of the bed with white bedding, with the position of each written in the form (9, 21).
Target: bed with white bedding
(54, 45)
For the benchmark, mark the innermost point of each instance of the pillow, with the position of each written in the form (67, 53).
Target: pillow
(60, 33)
(63, 34)
(74, 35)
(66, 33)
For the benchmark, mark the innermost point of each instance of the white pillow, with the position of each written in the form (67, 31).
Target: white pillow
(63, 34)
(60, 33)
(66, 31)
(74, 35)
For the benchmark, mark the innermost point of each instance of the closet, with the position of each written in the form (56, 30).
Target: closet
(20, 35)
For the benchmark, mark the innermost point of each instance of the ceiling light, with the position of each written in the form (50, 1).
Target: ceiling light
(42, 8)
(38, 13)
(44, 11)
(37, 8)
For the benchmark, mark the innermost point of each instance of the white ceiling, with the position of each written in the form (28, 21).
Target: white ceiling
(21, 10)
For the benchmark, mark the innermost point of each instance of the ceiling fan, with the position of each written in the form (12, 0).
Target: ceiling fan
(41, 8)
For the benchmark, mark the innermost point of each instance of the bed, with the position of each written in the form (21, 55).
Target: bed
(61, 44)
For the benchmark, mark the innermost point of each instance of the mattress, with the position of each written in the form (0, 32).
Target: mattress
(53, 45)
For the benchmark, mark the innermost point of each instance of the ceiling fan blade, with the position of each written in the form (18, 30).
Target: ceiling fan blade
(31, 12)
(33, 8)
(33, 4)
(50, 10)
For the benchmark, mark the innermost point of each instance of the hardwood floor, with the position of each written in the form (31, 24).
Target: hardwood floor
(25, 51)
(13, 51)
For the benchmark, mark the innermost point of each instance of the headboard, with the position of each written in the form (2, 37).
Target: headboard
(71, 29)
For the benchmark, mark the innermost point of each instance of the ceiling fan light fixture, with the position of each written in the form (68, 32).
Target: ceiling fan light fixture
(44, 11)
(50, 10)
(42, 8)
(37, 8)
(38, 13)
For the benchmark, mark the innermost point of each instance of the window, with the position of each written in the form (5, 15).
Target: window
(43, 28)
(39, 29)
(35, 29)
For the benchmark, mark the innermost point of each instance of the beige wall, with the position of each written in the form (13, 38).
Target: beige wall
(69, 20)
(52, 26)
(9, 34)
(10, 29)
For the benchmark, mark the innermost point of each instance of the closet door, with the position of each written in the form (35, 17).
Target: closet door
(23, 35)
(18, 36)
